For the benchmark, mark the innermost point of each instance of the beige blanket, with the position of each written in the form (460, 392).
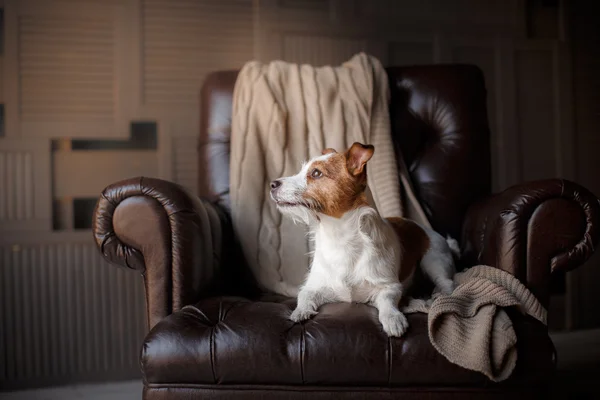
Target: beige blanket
(470, 328)
(284, 114)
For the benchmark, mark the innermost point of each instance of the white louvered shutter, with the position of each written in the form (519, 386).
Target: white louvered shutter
(67, 67)
(184, 40)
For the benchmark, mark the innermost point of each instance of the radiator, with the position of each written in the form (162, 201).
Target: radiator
(67, 316)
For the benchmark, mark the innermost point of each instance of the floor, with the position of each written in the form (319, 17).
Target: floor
(577, 376)
(578, 365)
(128, 390)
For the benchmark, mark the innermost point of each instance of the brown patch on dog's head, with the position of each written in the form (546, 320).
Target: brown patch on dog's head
(336, 184)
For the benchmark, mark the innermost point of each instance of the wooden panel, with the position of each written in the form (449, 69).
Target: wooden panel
(320, 50)
(484, 58)
(410, 53)
(186, 162)
(318, 5)
(1, 84)
(87, 173)
(535, 97)
(584, 284)
(66, 68)
(16, 181)
(91, 1)
(25, 185)
(499, 15)
(67, 315)
(186, 39)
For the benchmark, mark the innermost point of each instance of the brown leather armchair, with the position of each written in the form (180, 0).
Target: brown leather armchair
(214, 335)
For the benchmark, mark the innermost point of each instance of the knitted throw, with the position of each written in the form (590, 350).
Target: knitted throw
(470, 328)
(284, 114)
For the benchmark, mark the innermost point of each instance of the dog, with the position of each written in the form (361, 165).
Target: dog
(358, 255)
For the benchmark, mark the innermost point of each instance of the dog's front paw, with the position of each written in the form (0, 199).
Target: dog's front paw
(394, 324)
(302, 314)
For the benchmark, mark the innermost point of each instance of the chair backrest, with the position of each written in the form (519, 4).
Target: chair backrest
(439, 122)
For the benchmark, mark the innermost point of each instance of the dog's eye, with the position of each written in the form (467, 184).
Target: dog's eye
(316, 173)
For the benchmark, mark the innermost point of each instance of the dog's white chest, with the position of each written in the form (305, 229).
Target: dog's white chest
(339, 250)
(346, 262)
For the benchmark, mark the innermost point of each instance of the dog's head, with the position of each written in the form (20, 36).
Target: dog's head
(331, 184)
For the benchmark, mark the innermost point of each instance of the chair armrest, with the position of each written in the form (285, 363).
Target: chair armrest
(532, 230)
(173, 238)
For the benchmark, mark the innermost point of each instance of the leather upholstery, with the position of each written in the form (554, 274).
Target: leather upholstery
(274, 392)
(222, 346)
(173, 238)
(215, 129)
(439, 122)
(236, 341)
(532, 230)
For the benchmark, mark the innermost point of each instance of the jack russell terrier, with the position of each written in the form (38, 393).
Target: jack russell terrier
(359, 256)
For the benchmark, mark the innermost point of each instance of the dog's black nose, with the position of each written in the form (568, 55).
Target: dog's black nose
(275, 184)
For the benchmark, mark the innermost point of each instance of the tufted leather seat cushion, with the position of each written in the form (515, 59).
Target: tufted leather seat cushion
(231, 340)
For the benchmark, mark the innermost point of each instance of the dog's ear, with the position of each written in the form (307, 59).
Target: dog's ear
(328, 150)
(357, 157)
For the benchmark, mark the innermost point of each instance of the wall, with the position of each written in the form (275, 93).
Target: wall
(79, 77)
(92, 69)
(585, 32)
(527, 78)
(66, 315)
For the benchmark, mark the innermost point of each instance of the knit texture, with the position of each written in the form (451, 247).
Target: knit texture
(470, 327)
(284, 114)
